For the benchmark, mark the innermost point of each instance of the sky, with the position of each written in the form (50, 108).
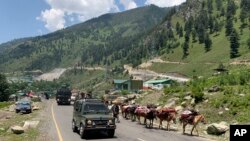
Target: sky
(29, 18)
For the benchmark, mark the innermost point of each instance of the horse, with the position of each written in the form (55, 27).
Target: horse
(146, 112)
(123, 108)
(194, 121)
(131, 112)
(168, 114)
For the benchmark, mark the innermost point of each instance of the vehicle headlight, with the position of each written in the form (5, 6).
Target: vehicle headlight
(89, 122)
(110, 122)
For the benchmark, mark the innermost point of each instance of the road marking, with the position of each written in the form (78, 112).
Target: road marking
(140, 139)
(57, 127)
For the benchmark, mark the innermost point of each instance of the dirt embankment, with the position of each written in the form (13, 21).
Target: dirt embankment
(149, 63)
(50, 76)
(145, 74)
(240, 62)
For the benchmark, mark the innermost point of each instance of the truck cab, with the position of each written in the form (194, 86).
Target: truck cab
(63, 96)
(92, 115)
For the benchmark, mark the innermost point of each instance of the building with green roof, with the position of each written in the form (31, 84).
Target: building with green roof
(159, 82)
(130, 85)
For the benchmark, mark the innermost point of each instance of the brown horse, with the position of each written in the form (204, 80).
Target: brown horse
(196, 119)
(146, 112)
(123, 108)
(168, 114)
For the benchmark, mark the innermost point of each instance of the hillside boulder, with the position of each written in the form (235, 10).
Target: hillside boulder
(17, 129)
(187, 97)
(12, 108)
(214, 89)
(217, 129)
(30, 124)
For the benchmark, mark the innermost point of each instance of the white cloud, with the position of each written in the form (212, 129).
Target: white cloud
(128, 4)
(164, 3)
(55, 18)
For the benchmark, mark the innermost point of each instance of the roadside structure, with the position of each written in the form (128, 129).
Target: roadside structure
(130, 85)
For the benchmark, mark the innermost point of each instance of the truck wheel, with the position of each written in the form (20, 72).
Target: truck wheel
(82, 132)
(111, 133)
(74, 128)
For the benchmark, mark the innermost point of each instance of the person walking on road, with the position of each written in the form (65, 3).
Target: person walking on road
(115, 110)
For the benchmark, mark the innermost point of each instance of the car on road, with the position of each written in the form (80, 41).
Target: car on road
(92, 115)
(24, 106)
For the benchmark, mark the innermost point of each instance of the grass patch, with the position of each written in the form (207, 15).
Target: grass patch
(5, 104)
(18, 119)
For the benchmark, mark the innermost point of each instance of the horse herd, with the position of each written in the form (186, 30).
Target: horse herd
(151, 112)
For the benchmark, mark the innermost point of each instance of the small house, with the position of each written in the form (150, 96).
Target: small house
(130, 85)
(157, 84)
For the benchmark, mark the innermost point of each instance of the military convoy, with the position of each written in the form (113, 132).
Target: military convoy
(63, 95)
(92, 115)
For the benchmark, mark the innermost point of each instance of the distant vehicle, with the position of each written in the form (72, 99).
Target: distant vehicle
(92, 115)
(23, 106)
(63, 96)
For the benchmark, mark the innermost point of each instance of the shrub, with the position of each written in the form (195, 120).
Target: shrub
(197, 94)
(124, 92)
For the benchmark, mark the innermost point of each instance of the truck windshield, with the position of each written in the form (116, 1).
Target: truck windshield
(95, 108)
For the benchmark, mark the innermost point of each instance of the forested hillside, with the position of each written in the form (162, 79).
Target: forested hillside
(101, 41)
(197, 35)
(201, 34)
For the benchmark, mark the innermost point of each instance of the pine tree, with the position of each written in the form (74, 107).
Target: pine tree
(211, 23)
(4, 88)
(222, 12)
(229, 26)
(194, 36)
(210, 6)
(234, 44)
(245, 11)
(208, 42)
(181, 32)
(231, 8)
(177, 27)
(187, 37)
(248, 43)
(216, 27)
(185, 48)
(218, 4)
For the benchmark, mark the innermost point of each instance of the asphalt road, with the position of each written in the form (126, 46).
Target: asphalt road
(126, 130)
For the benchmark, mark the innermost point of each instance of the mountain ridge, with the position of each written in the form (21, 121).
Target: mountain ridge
(77, 43)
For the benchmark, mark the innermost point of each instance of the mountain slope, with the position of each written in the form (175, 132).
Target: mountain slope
(185, 32)
(101, 40)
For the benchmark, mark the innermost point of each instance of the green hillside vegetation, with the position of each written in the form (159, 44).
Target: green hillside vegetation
(200, 30)
(232, 98)
(201, 34)
(96, 81)
(99, 41)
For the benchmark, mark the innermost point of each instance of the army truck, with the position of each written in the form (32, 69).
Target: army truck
(63, 95)
(92, 115)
